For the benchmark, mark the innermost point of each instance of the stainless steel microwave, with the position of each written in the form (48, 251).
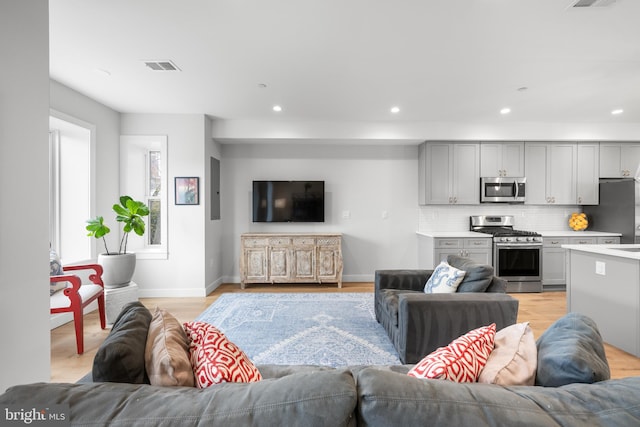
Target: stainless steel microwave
(502, 189)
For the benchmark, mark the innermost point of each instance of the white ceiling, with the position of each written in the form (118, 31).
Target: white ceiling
(349, 61)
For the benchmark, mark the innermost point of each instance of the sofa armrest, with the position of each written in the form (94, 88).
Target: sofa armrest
(410, 280)
(429, 321)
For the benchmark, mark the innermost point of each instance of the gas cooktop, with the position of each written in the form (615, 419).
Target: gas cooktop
(501, 228)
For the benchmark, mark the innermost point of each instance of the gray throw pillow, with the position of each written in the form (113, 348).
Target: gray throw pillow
(477, 277)
(571, 351)
(120, 358)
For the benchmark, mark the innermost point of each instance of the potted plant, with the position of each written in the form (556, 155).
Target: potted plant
(119, 266)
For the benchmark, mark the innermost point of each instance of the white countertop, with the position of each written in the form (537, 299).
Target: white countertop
(611, 250)
(453, 234)
(544, 233)
(571, 233)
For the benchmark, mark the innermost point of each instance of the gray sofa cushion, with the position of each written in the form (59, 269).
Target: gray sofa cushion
(571, 351)
(392, 399)
(317, 397)
(120, 358)
(477, 276)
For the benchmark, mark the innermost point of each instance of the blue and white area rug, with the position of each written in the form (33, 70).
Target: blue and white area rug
(330, 329)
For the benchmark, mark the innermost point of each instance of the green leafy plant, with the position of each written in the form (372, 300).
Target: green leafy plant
(129, 212)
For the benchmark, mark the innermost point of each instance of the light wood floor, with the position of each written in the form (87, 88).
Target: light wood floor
(541, 310)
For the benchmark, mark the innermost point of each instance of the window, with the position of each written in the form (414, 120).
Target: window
(70, 186)
(154, 202)
(143, 176)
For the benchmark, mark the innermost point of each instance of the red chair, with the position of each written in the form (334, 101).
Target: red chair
(74, 298)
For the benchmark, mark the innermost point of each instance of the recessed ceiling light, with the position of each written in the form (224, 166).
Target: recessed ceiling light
(522, 89)
(618, 111)
(262, 85)
(277, 108)
(505, 110)
(395, 110)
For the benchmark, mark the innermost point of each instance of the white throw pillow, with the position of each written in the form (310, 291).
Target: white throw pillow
(444, 280)
(514, 358)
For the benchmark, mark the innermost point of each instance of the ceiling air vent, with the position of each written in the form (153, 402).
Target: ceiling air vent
(592, 3)
(161, 65)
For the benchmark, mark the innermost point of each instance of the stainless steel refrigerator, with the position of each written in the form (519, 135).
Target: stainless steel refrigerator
(619, 209)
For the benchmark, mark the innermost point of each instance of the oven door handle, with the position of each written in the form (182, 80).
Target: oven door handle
(518, 246)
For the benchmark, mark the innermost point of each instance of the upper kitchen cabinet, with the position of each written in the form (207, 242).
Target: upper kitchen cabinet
(502, 159)
(449, 173)
(587, 165)
(619, 159)
(550, 169)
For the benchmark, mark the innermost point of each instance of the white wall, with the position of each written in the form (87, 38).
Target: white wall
(403, 132)
(183, 273)
(364, 180)
(24, 206)
(532, 218)
(213, 228)
(106, 145)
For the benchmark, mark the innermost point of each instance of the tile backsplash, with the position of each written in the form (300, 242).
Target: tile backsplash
(531, 218)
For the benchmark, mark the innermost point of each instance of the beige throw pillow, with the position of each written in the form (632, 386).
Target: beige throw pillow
(167, 352)
(514, 358)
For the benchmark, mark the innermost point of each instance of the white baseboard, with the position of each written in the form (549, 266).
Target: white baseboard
(172, 293)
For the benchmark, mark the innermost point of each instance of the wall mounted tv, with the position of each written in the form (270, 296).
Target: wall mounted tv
(288, 201)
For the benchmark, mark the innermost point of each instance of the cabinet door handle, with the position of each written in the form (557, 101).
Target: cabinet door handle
(579, 199)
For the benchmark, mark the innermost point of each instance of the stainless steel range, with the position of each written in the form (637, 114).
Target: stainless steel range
(517, 254)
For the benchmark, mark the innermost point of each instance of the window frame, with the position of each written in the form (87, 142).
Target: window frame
(133, 150)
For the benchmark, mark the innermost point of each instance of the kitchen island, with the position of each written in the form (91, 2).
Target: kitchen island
(603, 282)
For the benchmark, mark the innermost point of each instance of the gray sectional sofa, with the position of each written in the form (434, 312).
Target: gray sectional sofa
(310, 396)
(418, 323)
(570, 357)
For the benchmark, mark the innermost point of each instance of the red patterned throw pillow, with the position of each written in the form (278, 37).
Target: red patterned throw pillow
(462, 360)
(215, 359)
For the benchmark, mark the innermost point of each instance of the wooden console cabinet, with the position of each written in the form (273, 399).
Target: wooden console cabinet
(290, 258)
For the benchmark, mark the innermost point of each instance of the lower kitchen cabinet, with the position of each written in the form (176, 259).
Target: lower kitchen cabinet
(553, 265)
(553, 257)
(435, 250)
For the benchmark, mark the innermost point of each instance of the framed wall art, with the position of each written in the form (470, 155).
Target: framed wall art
(187, 190)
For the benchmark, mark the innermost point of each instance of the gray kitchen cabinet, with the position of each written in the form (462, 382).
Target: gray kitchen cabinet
(502, 159)
(587, 175)
(591, 240)
(551, 173)
(478, 249)
(608, 240)
(553, 262)
(449, 173)
(619, 159)
(553, 256)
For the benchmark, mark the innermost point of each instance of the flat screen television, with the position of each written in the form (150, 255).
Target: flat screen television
(288, 201)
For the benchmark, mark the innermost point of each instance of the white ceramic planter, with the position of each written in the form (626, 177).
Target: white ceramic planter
(118, 269)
